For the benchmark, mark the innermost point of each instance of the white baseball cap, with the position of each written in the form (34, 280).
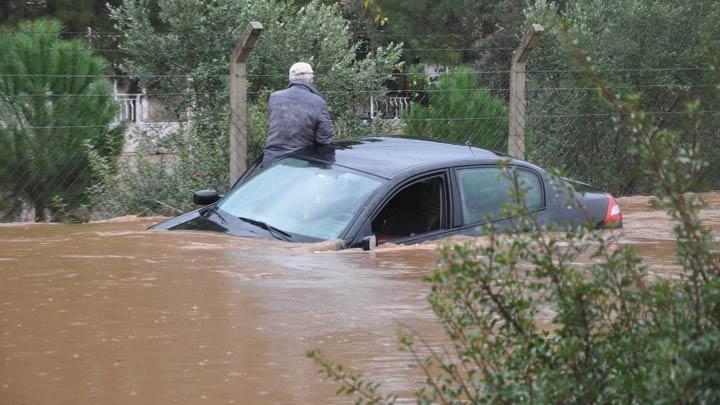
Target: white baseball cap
(301, 71)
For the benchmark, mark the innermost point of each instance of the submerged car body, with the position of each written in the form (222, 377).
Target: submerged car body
(389, 189)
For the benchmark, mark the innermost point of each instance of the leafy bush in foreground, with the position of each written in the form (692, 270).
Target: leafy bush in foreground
(612, 335)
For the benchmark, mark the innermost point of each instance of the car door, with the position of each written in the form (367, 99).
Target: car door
(416, 210)
(483, 191)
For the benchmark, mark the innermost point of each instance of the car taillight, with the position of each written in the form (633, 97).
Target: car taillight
(613, 216)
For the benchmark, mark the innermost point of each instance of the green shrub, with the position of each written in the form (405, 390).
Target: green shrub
(54, 103)
(456, 110)
(160, 178)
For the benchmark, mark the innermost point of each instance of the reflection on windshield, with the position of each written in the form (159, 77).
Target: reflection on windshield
(301, 197)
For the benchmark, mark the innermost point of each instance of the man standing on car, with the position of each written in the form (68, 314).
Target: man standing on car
(297, 116)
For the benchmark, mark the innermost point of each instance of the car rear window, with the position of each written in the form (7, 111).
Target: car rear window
(531, 189)
(485, 190)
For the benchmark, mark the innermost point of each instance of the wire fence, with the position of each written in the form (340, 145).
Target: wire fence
(174, 140)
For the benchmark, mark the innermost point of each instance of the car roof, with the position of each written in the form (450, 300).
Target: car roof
(388, 156)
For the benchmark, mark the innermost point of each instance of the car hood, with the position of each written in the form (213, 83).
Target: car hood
(211, 219)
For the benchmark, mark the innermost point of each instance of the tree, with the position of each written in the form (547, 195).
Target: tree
(458, 111)
(447, 32)
(507, 24)
(89, 19)
(188, 55)
(182, 58)
(426, 24)
(54, 105)
(74, 15)
(366, 18)
(655, 48)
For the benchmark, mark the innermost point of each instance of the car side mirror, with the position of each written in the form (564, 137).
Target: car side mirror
(205, 197)
(369, 243)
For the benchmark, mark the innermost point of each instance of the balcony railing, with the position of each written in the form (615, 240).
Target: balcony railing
(389, 107)
(134, 108)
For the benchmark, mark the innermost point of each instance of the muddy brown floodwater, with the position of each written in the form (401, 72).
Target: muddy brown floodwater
(109, 313)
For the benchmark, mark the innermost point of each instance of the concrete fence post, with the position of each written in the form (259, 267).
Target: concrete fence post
(238, 100)
(516, 109)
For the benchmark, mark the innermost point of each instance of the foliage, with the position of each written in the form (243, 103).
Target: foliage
(458, 111)
(258, 126)
(87, 19)
(74, 15)
(418, 82)
(366, 18)
(184, 56)
(47, 120)
(498, 42)
(656, 49)
(194, 51)
(155, 182)
(445, 22)
(527, 324)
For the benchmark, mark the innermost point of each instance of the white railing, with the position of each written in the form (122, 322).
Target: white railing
(389, 107)
(134, 108)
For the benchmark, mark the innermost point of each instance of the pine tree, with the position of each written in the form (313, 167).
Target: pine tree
(458, 111)
(54, 105)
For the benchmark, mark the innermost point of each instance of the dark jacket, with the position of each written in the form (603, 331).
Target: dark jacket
(297, 117)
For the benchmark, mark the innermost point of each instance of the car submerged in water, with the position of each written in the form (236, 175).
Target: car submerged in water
(388, 189)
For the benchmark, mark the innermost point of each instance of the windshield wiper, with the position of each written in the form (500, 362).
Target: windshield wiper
(275, 232)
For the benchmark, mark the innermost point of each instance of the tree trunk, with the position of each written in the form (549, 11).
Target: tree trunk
(5, 9)
(40, 213)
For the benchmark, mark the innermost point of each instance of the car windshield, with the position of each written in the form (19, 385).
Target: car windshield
(302, 197)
